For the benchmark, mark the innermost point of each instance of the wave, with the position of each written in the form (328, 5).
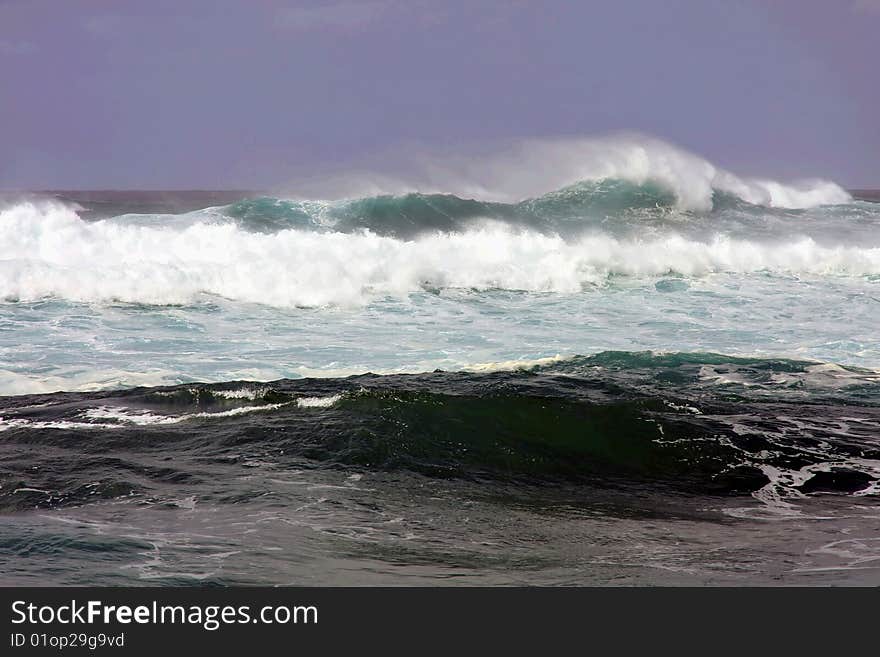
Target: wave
(413, 214)
(566, 211)
(532, 168)
(47, 251)
(776, 429)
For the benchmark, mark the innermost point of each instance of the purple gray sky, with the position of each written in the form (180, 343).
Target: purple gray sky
(222, 93)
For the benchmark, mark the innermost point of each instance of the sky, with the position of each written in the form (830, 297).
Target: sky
(212, 94)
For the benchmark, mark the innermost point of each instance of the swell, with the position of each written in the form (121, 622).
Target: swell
(47, 251)
(695, 423)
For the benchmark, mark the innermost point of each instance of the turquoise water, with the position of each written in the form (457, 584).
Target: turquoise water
(57, 345)
(267, 288)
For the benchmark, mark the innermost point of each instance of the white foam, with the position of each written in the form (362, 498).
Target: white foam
(512, 365)
(241, 393)
(17, 383)
(145, 418)
(47, 251)
(113, 417)
(126, 416)
(819, 375)
(15, 423)
(318, 402)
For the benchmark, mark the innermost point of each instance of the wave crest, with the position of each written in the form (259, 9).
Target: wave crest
(529, 169)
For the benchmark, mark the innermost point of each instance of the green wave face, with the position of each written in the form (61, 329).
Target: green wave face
(695, 423)
(408, 215)
(534, 438)
(610, 205)
(600, 198)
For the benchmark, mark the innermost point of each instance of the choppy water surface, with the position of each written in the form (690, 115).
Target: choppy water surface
(648, 371)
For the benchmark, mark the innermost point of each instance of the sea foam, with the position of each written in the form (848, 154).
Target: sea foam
(46, 251)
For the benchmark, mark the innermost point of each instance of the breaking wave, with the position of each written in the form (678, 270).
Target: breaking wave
(531, 168)
(543, 216)
(48, 252)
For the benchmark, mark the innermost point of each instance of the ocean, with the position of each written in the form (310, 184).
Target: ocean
(622, 365)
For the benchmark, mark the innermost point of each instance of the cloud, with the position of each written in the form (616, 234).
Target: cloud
(104, 25)
(872, 6)
(17, 47)
(344, 16)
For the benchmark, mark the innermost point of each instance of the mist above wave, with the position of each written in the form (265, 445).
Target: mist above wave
(530, 168)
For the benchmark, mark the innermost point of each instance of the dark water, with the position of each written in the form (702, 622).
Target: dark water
(620, 468)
